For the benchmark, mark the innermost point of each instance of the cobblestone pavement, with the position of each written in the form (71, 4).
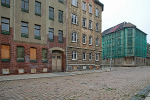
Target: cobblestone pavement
(121, 84)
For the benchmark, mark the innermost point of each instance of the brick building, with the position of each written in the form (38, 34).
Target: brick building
(32, 36)
(84, 19)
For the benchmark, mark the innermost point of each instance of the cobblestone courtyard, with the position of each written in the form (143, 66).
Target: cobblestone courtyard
(121, 84)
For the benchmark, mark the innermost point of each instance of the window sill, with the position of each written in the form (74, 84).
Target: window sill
(5, 32)
(33, 61)
(60, 41)
(5, 60)
(91, 29)
(37, 37)
(74, 41)
(38, 14)
(44, 61)
(84, 43)
(60, 21)
(5, 5)
(24, 35)
(74, 59)
(74, 6)
(51, 18)
(74, 23)
(20, 60)
(84, 59)
(90, 44)
(84, 27)
(60, 1)
(24, 10)
(52, 40)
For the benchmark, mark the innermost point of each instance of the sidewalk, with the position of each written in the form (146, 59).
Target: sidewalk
(148, 97)
(47, 75)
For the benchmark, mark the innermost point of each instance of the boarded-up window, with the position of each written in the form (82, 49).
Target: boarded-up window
(20, 53)
(5, 52)
(44, 54)
(32, 53)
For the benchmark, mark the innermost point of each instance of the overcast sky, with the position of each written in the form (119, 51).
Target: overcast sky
(136, 12)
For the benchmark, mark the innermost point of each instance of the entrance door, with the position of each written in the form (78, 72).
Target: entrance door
(57, 61)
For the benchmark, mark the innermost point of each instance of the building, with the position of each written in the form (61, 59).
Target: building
(125, 44)
(84, 19)
(148, 55)
(32, 36)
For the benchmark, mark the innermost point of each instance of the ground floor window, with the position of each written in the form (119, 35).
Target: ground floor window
(20, 53)
(33, 55)
(5, 53)
(74, 55)
(44, 55)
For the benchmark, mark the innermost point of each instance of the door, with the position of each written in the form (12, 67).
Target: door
(57, 61)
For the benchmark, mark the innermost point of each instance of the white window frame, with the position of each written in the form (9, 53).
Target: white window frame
(90, 24)
(74, 19)
(90, 56)
(74, 37)
(97, 27)
(74, 3)
(96, 57)
(84, 22)
(97, 12)
(90, 40)
(84, 42)
(90, 9)
(84, 55)
(74, 55)
(97, 41)
(84, 6)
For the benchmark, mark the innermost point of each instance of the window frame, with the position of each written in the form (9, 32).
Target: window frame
(84, 39)
(5, 59)
(45, 60)
(5, 3)
(24, 8)
(37, 13)
(60, 33)
(61, 1)
(90, 24)
(96, 57)
(84, 55)
(5, 32)
(74, 55)
(74, 3)
(22, 59)
(74, 19)
(90, 56)
(39, 29)
(60, 16)
(49, 31)
(33, 60)
(97, 41)
(51, 10)
(90, 9)
(24, 34)
(97, 12)
(90, 40)
(84, 6)
(84, 22)
(97, 27)
(74, 37)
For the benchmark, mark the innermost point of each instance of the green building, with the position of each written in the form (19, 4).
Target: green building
(125, 45)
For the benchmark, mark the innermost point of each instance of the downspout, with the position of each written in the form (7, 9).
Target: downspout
(66, 34)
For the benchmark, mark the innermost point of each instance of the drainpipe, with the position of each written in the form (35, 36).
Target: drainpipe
(66, 34)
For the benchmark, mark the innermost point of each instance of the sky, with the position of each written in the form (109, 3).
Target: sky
(136, 12)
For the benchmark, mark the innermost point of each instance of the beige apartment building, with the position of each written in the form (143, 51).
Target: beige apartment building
(32, 36)
(84, 19)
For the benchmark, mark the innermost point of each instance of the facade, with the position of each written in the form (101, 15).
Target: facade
(84, 18)
(125, 44)
(32, 36)
(148, 55)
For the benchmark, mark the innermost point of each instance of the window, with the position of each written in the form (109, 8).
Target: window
(130, 50)
(74, 37)
(84, 22)
(61, 1)
(97, 41)
(129, 32)
(37, 32)
(84, 56)
(97, 12)
(51, 13)
(129, 40)
(60, 18)
(37, 8)
(44, 55)
(20, 54)
(33, 55)
(97, 27)
(60, 36)
(74, 3)
(84, 39)
(90, 56)
(24, 29)
(84, 6)
(96, 57)
(51, 34)
(90, 40)
(5, 3)
(5, 26)
(90, 24)
(90, 9)
(25, 5)
(73, 19)
(74, 55)
(5, 53)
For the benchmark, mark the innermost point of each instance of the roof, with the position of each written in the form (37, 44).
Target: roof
(117, 28)
(99, 3)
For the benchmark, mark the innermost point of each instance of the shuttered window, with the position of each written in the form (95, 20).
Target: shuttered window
(33, 55)
(5, 53)
(20, 53)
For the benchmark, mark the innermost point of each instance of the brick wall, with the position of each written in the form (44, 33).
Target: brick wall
(13, 65)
